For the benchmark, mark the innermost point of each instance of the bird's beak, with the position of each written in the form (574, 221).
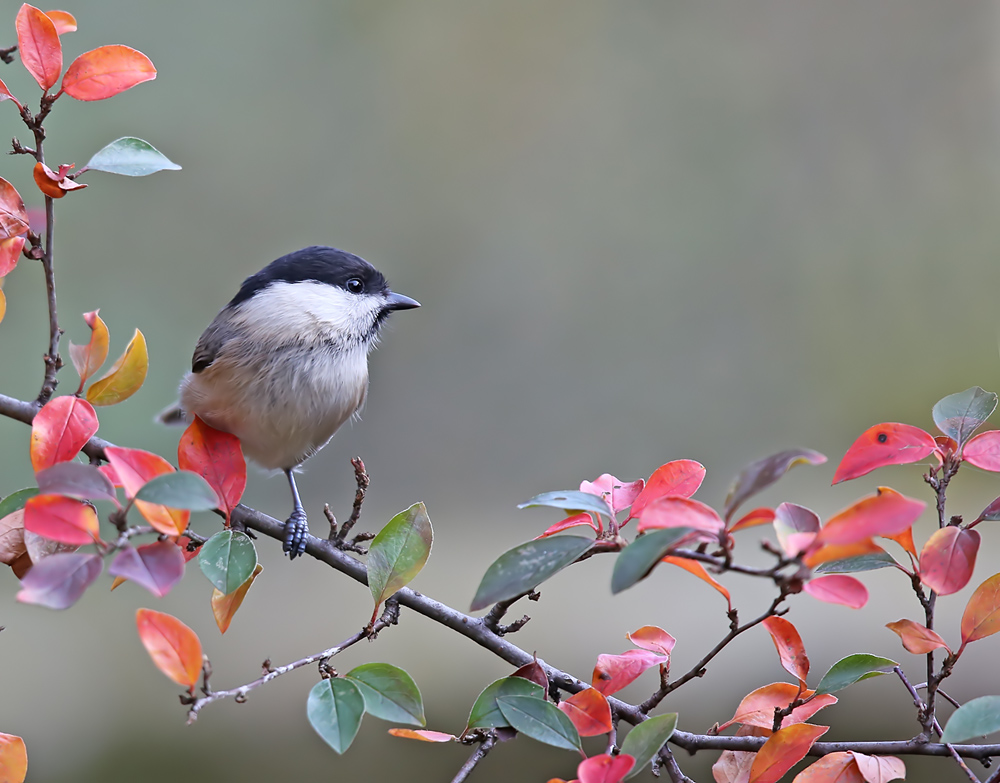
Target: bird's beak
(399, 302)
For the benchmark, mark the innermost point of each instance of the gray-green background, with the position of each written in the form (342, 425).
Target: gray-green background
(640, 231)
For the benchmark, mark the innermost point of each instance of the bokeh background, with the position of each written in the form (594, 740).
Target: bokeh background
(640, 231)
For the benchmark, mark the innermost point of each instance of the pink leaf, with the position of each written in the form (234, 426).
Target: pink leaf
(583, 518)
(838, 589)
(614, 672)
(948, 559)
(672, 511)
(58, 581)
(983, 451)
(618, 494)
(884, 444)
(652, 638)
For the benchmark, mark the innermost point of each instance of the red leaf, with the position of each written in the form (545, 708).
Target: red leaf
(696, 568)
(216, 457)
(837, 767)
(424, 735)
(885, 513)
(783, 750)
(652, 638)
(681, 478)
(10, 253)
(948, 559)
(106, 71)
(61, 519)
(583, 518)
(983, 451)
(134, 468)
(58, 581)
(174, 648)
(618, 494)
(605, 768)
(791, 651)
(759, 516)
(982, 614)
(7, 95)
(916, 638)
(614, 672)
(157, 567)
(13, 216)
(64, 21)
(589, 711)
(757, 707)
(838, 589)
(38, 45)
(533, 672)
(673, 511)
(879, 769)
(884, 444)
(60, 429)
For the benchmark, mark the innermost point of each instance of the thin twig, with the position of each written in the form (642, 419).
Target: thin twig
(7, 54)
(672, 767)
(362, 480)
(962, 764)
(480, 753)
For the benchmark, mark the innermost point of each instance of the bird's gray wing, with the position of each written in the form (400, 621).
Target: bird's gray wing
(209, 345)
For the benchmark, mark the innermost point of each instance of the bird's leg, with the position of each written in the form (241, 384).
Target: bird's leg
(296, 526)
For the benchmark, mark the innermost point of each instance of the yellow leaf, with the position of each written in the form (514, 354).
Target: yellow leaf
(125, 377)
(3, 304)
(225, 606)
(87, 359)
(119, 581)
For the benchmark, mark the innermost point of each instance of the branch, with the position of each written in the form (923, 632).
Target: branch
(485, 747)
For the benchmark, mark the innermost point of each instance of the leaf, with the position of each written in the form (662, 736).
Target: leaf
(733, 766)
(486, 713)
(887, 512)
(982, 614)
(991, 513)
(16, 500)
(838, 767)
(10, 254)
(783, 750)
(133, 468)
(589, 711)
(59, 430)
(389, 693)
(837, 553)
(534, 672)
(879, 769)
(757, 707)
(696, 568)
(959, 415)
(652, 638)
(423, 735)
(764, 472)
(87, 359)
(335, 708)
(225, 606)
(570, 500)
(905, 540)
(228, 559)
(916, 638)
(106, 71)
(616, 493)
(884, 444)
(605, 768)
(13, 216)
(539, 720)
(614, 672)
(795, 527)
(130, 157)
(858, 563)
(983, 451)
(13, 759)
(576, 520)
(644, 741)
(39, 47)
(12, 546)
(852, 669)
(398, 552)
(125, 377)
(179, 489)
(7, 95)
(64, 21)
(679, 512)
(76, 480)
(523, 568)
(217, 457)
(39, 547)
(838, 589)
(788, 643)
(174, 648)
(680, 478)
(638, 559)
(948, 559)
(975, 718)
(58, 581)
(157, 566)
(758, 516)
(3, 305)
(61, 519)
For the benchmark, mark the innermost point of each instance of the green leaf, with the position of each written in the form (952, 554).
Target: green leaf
(851, 669)
(524, 567)
(540, 720)
(485, 712)
(645, 740)
(179, 489)
(389, 692)
(130, 156)
(16, 500)
(636, 560)
(975, 718)
(228, 559)
(959, 415)
(570, 500)
(399, 551)
(335, 708)
(854, 565)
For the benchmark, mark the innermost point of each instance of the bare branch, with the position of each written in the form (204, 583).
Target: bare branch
(489, 740)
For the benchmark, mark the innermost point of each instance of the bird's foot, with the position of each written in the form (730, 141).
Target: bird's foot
(296, 532)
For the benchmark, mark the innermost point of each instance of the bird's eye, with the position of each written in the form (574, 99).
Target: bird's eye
(355, 286)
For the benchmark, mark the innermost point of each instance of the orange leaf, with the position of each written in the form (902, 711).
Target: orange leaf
(10, 253)
(758, 516)
(905, 540)
(13, 759)
(605, 768)
(38, 44)
(174, 648)
(679, 478)
(757, 707)
(833, 768)
(838, 589)
(652, 638)
(915, 637)
(589, 711)
(824, 554)
(13, 216)
(106, 71)
(87, 359)
(733, 766)
(887, 512)
(61, 519)
(133, 468)
(47, 181)
(224, 607)
(126, 375)
(673, 511)
(696, 568)
(59, 430)
(884, 444)
(783, 750)
(879, 769)
(3, 304)
(424, 735)
(948, 559)
(982, 614)
(64, 21)
(217, 457)
(791, 651)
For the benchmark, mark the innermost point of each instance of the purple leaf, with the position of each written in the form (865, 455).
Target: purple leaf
(157, 567)
(58, 581)
(76, 480)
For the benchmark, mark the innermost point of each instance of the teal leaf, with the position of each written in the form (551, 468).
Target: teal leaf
(636, 560)
(389, 692)
(227, 559)
(335, 708)
(524, 567)
(854, 565)
(130, 156)
(849, 670)
(645, 740)
(179, 489)
(570, 500)
(541, 720)
(15, 501)
(959, 415)
(975, 718)
(486, 713)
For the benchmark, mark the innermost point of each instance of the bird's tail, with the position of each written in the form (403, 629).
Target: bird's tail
(173, 415)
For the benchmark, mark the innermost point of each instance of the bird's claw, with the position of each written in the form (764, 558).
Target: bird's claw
(296, 532)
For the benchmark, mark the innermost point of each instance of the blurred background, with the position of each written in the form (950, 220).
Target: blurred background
(640, 232)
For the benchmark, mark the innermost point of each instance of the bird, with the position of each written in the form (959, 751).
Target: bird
(285, 363)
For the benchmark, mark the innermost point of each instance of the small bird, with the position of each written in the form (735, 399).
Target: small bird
(285, 363)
